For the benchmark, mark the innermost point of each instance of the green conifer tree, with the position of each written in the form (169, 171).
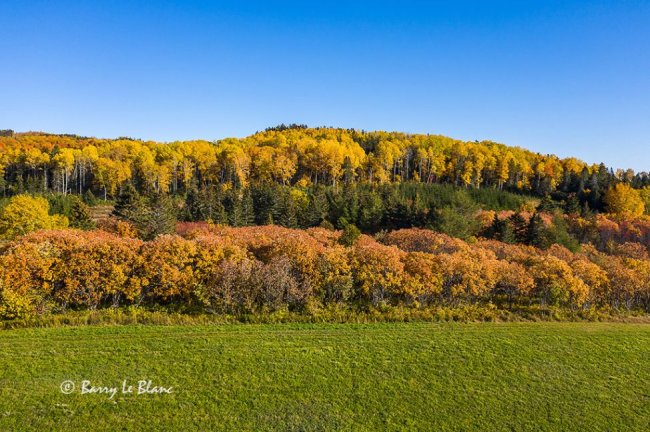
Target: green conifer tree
(89, 198)
(519, 227)
(156, 217)
(80, 215)
(350, 235)
(536, 232)
(247, 208)
(128, 202)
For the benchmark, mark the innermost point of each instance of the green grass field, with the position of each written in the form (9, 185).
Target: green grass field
(414, 376)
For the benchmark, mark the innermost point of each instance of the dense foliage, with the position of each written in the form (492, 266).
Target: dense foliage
(261, 269)
(503, 225)
(299, 156)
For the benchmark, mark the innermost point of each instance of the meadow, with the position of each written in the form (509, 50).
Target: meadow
(310, 377)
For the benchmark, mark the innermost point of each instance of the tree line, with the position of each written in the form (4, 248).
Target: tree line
(299, 156)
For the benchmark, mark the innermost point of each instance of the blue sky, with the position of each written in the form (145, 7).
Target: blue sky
(564, 77)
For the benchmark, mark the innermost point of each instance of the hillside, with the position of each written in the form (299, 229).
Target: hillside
(404, 224)
(295, 155)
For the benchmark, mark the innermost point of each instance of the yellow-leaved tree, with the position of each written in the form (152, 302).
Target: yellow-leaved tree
(25, 214)
(623, 200)
(645, 196)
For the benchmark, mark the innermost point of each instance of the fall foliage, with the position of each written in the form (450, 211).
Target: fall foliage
(422, 220)
(253, 269)
(295, 155)
(24, 214)
(622, 200)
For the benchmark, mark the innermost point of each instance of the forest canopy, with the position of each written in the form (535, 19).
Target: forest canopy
(294, 155)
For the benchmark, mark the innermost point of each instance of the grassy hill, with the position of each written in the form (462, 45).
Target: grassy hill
(537, 376)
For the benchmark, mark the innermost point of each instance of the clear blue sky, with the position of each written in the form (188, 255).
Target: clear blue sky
(565, 77)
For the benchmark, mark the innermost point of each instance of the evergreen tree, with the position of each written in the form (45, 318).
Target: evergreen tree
(397, 212)
(264, 200)
(89, 198)
(318, 209)
(337, 205)
(128, 202)
(458, 219)
(348, 171)
(584, 178)
(502, 230)
(157, 217)
(285, 211)
(546, 205)
(572, 205)
(536, 233)
(241, 211)
(232, 206)
(349, 235)
(213, 203)
(247, 208)
(194, 205)
(507, 232)
(327, 225)
(235, 214)
(558, 233)
(80, 215)
(418, 212)
(371, 212)
(519, 227)
(594, 197)
(351, 200)
(493, 231)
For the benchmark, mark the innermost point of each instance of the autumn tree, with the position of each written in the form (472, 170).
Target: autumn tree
(25, 213)
(645, 196)
(623, 200)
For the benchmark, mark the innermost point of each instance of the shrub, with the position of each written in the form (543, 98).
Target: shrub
(260, 270)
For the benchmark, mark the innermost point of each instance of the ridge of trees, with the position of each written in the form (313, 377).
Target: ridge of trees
(296, 155)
